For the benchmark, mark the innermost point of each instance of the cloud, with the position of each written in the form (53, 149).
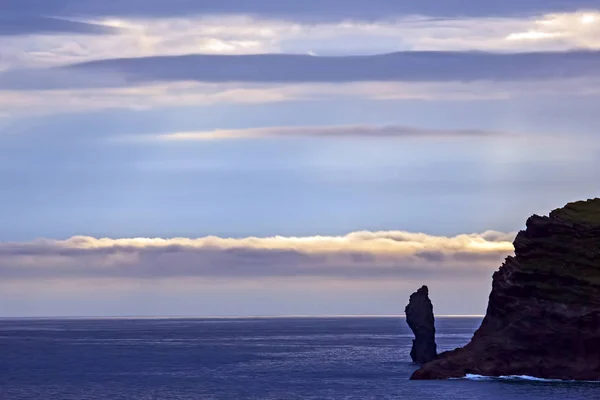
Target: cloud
(323, 131)
(283, 68)
(143, 97)
(115, 82)
(407, 66)
(358, 255)
(308, 10)
(12, 25)
(180, 94)
(53, 41)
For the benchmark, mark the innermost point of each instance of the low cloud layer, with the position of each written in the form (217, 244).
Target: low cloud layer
(359, 255)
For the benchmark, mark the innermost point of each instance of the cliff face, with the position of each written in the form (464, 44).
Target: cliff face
(419, 316)
(543, 315)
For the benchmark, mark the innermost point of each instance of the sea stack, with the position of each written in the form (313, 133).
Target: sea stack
(419, 316)
(543, 315)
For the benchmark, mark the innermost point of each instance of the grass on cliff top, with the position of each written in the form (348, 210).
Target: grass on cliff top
(582, 212)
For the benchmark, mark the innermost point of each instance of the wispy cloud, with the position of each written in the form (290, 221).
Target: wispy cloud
(374, 255)
(16, 25)
(350, 131)
(178, 94)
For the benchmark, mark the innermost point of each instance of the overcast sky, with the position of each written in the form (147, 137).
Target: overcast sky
(284, 157)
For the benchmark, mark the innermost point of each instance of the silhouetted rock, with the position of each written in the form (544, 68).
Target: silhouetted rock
(419, 316)
(543, 315)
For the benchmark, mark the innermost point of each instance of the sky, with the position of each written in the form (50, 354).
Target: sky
(236, 158)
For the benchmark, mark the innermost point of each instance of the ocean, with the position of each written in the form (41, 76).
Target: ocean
(246, 358)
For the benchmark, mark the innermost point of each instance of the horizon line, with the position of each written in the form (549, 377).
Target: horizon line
(291, 316)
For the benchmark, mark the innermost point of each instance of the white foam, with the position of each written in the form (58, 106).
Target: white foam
(475, 377)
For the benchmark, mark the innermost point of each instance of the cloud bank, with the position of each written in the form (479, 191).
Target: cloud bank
(358, 255)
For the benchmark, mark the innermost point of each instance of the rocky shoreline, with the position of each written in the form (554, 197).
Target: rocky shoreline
(543, 315)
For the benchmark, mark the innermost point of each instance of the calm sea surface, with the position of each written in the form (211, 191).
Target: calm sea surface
(279, 358)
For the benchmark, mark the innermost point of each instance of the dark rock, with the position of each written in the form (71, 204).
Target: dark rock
(419, 316)
(543, 315)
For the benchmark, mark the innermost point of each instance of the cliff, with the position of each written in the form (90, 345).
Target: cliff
(419, 316)
(543, 315)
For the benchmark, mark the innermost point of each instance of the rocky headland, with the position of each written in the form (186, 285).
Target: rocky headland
(419, 316)
(543, 315)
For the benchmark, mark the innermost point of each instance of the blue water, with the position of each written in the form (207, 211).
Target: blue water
(280, 358)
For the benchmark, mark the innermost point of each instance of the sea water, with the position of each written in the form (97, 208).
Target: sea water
(249, 358)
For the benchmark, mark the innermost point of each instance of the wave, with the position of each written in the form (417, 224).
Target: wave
(475, 377)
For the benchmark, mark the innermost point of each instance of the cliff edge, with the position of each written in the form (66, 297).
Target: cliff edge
(543, 315)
